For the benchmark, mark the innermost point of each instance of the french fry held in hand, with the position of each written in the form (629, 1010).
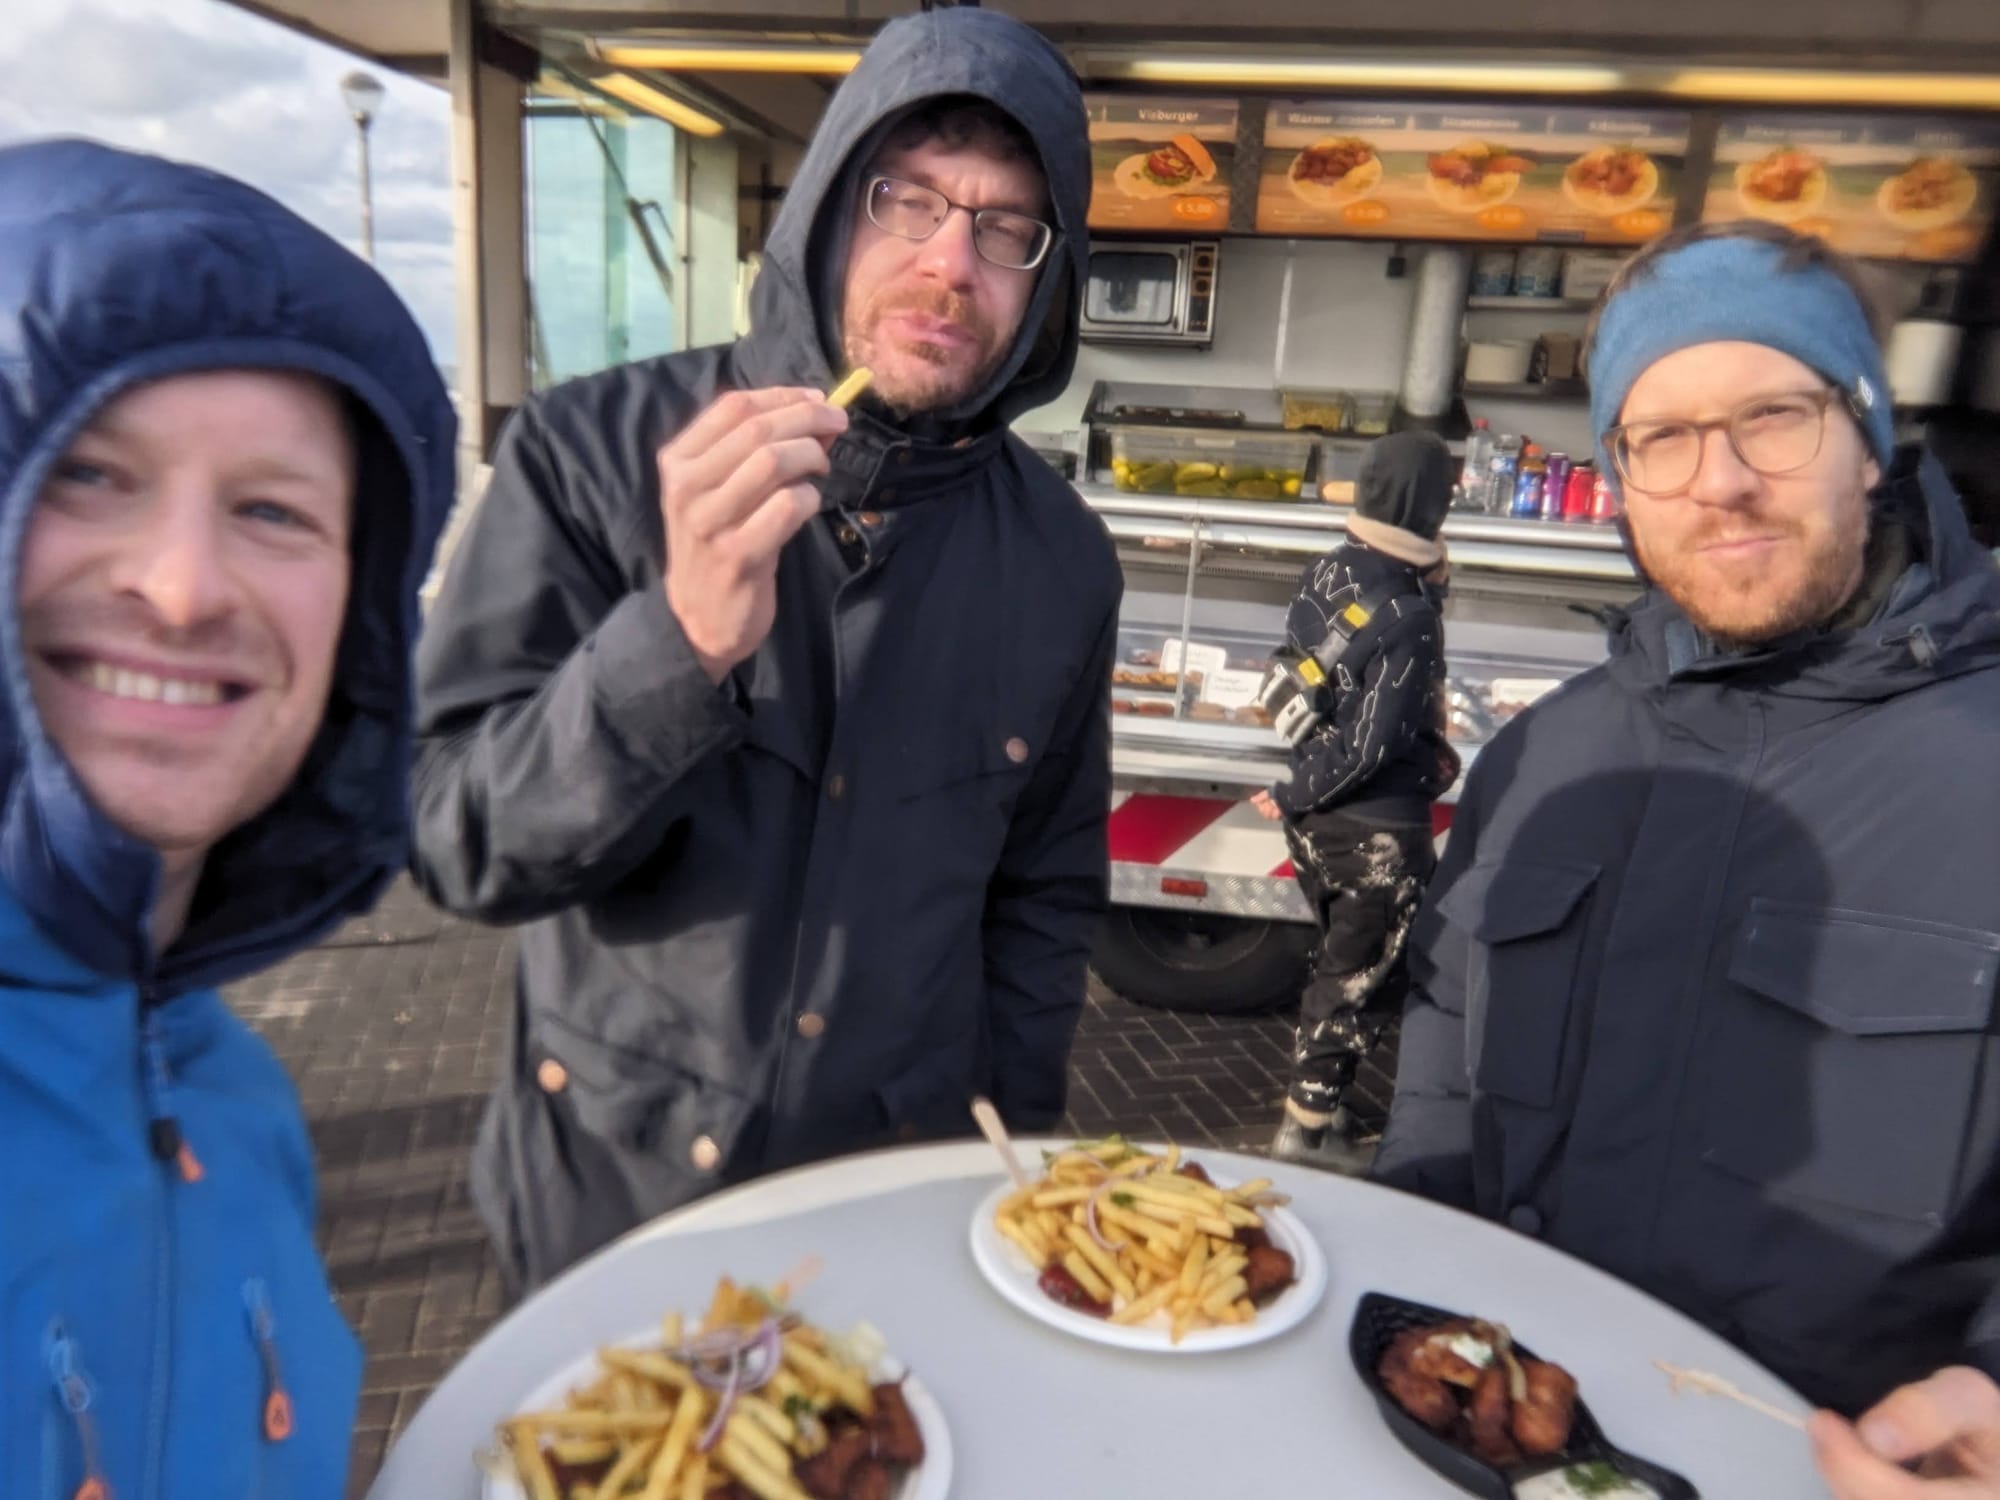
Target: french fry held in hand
(850, 389)
(750, 1394)
(1136, 1237)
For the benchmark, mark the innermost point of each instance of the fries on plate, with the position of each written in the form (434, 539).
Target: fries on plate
(750, 1400)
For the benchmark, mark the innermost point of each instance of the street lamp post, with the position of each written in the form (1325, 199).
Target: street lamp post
(363, 96)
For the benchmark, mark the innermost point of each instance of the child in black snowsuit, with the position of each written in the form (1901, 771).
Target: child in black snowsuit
(1357, 810)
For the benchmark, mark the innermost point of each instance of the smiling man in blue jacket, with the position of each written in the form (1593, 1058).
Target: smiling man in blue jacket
(225, 455)
(1705, 992)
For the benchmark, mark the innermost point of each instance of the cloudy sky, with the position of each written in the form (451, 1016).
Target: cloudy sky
(202, 81)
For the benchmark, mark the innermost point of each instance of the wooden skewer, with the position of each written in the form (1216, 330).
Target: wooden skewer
(1703, 1383)
(991, 1127)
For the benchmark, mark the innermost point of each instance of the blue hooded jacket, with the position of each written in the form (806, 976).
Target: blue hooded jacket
(165, 1325)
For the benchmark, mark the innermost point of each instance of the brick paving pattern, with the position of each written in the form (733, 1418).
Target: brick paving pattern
(394, 1027)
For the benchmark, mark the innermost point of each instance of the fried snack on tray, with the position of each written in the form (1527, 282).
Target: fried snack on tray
(753, 1404)
(1135, 1237)
(1463, 1379)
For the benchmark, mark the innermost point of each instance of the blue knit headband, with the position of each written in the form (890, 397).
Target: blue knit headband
(1734, 289)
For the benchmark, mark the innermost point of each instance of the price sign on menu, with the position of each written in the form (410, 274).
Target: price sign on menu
(1895, 187)
(1460, 172)
(1160, 164)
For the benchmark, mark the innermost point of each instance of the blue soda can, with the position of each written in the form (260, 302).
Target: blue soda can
(1528, 487)
(1555, 486)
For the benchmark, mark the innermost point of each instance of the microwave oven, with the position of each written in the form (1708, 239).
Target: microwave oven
(1151, 293)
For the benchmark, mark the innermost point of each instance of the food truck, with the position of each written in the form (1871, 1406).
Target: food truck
(1309, 229)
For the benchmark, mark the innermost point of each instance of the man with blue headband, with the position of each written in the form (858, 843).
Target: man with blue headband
(1704, 992)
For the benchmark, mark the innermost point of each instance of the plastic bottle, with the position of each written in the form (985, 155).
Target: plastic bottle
(1529, 483)
(1501, 470)
(1478, 454)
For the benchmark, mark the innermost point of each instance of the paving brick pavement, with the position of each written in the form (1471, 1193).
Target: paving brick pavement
(393, 1029)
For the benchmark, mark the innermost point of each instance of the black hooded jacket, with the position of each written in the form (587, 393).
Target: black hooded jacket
(1704, 991)
(814, 910)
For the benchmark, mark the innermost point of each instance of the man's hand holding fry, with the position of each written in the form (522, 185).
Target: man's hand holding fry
(735, 486)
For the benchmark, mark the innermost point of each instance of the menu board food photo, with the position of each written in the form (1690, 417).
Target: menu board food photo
(1893, 188)
(1464, 172)
(1160, 164)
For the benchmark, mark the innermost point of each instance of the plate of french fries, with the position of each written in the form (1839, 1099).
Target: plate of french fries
(751, 1403)
(1136, 1247)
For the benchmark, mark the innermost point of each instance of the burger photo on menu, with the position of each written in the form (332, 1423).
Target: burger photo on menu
(1179, 166)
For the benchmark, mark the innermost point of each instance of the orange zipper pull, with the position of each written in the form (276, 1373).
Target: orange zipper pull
(277, 1402)
(73, 1389)
(189, 1163)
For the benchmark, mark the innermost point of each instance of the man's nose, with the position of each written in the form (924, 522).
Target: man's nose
(950, 254)
(175, 562)
(1722, 477)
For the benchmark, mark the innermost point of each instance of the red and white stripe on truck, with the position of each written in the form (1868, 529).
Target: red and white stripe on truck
(1212, 854)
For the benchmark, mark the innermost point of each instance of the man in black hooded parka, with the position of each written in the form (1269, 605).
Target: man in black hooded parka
(784, 729)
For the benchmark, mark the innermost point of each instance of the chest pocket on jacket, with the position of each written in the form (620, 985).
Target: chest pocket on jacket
(1527, 922)
(1844, 1068)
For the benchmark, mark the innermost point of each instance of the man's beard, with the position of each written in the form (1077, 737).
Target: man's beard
(936, 384)
(1745, 608)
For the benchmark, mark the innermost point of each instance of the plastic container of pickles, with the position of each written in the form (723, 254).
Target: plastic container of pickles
(1210, 464)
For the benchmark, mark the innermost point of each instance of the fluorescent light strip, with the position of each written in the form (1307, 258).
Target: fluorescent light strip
(1720, 84)
(641, 95)
(1931, 90)
(696, 57)
(1534, 78)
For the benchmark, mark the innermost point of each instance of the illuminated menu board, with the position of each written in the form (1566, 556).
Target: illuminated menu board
(1466, 172)
(1892, 187)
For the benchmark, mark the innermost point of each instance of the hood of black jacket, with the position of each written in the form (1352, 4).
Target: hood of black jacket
(914, 59)
(117, 269)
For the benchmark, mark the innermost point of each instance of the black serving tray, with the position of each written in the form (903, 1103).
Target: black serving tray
(1380, 1318)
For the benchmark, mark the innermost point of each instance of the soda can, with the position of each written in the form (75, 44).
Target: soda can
(1555, 487)
(1603, 504)
(1577, 493)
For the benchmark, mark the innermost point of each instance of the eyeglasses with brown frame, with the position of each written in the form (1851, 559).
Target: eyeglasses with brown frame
(1773, 434)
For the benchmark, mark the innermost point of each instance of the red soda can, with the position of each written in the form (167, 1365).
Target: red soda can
(1576, 493)
(1603, 504)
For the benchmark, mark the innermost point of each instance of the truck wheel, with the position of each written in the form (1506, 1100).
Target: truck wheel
(1191, 960)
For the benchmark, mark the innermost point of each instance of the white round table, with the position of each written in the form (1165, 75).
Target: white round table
(1033, 1412)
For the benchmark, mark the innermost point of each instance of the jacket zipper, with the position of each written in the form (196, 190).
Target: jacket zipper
(73, 1390)
(277, 1415)
(164, 1136)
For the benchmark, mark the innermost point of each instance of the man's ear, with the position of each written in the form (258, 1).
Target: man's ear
(1871, 472)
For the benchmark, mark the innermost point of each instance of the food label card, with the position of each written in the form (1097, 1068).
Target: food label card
(1461, 171)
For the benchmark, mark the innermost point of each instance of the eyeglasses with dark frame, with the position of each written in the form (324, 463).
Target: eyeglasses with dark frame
(1774, 434)
(911, 211)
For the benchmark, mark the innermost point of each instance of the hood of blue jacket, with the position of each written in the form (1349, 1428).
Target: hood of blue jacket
(117, 269)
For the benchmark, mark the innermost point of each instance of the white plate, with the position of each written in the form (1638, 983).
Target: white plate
(1013, 1275)
(929, 1480)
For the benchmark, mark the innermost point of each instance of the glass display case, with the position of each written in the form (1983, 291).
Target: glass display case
(1205, 605)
